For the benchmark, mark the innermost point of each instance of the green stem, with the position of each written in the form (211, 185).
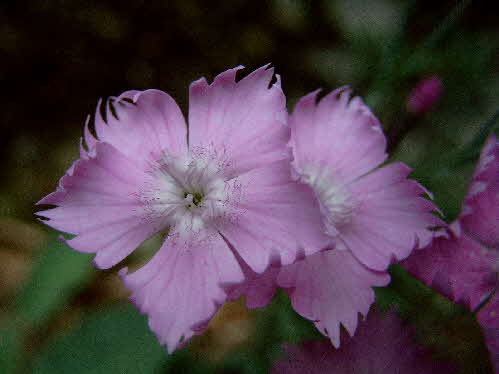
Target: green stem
(436, 36)
(443, 28)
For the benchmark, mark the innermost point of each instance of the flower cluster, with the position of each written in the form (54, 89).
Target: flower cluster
(251, 199)
(374, 215)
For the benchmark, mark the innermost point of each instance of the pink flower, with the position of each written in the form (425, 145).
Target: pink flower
(488, 318)
(480, 214)
(457, 266)
(222, 189)
(373, 215)
(374, 212)
(382, 345)
(425, 95)
(463, 264)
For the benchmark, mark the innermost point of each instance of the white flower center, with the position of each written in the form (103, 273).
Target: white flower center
(335, 201)
(189, 193)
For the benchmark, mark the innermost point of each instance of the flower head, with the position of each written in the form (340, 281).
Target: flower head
(372, 215)
(374, 212)
(222, 189)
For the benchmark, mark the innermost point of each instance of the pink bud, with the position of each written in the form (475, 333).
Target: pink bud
(426, 93)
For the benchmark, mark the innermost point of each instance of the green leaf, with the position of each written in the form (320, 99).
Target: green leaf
(58, 275)
(292, 327)
(116, 340)
(10, 349)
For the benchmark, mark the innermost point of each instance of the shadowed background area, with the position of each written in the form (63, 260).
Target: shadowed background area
(58, 57)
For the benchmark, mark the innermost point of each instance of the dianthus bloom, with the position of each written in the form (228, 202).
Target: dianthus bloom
(382, 345)
(221, 188)
(463, 263)
(374, 215)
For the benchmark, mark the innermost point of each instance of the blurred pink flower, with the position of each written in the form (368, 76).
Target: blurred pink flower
(374, 215)
(463, 263)
(488, 318)
(426, 94)
(222, 186)
(382, 345)
(457, 266)
(480, 214)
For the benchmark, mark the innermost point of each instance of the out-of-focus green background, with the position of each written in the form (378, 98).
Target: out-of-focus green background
(58, 57)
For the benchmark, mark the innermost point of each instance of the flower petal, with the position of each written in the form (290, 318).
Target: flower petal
(338, 132)
(180, 289)
(480, 215)
(257, 288)
(390, 218)
(243, 121)
(142, 125)
(277, 219)
(330, 288)
(97, 202)
(458, 267)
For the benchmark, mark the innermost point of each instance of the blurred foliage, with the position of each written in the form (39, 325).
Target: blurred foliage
(449, 329)
(58, 274)
(112, 340)
(57, 57)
